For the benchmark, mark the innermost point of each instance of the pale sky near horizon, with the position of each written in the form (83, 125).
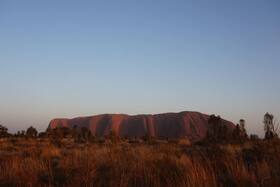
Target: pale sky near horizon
(75, 58)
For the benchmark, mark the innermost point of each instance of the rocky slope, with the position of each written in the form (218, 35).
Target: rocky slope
(194, 125)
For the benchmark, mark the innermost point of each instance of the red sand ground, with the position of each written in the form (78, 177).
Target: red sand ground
(193, 125)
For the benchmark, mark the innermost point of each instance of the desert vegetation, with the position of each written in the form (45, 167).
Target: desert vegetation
(39, 162)
(73, 157)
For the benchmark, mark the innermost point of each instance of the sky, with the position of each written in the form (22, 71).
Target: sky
(78, 58)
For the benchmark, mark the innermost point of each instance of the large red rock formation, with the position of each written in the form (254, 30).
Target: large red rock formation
(193, 125)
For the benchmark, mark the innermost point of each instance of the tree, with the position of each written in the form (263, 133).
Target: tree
(54, 136)
(42, 135)
(81, 135)
(113, 136)
(217, 131)
(65, 132)
(269, 126)
(240, 133)
(3, 131)
(276, 127)
(254, 137)
(61, 132)
(85, 134)
(243, 132)
(236, 132)
(31, 132)
(22, 133)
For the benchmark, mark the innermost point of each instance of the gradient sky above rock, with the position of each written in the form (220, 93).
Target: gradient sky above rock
(76, 58)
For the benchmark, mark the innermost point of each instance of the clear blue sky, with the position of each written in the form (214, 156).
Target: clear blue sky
(73, 58)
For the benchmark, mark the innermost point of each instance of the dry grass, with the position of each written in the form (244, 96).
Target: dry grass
(40, 163)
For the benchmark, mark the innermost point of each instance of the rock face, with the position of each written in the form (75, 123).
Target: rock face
(193, 125)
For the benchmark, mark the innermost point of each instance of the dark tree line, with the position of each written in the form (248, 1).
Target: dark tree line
(219, 132)
(80, 135)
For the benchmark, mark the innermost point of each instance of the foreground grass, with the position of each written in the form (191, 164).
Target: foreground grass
(40, 163)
